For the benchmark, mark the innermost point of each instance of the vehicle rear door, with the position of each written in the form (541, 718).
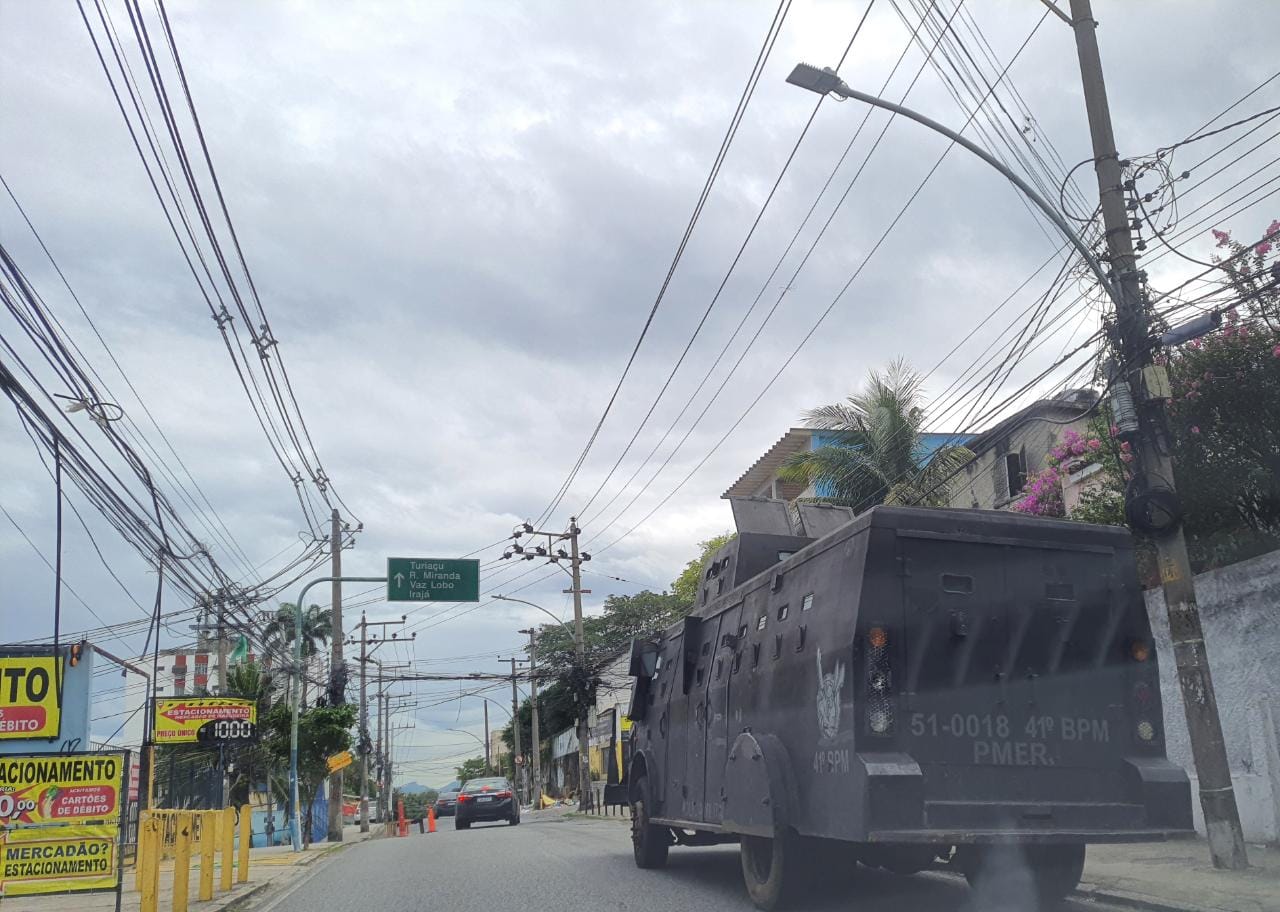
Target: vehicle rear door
(956, 638)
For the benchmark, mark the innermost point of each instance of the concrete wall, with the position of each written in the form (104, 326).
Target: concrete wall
(1240, 611)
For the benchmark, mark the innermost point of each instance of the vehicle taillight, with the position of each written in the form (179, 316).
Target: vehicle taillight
(879, 681)
(502, 795)
(462, 798)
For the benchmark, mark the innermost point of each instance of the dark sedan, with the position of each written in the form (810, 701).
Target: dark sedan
(486, 799)
(446, 804)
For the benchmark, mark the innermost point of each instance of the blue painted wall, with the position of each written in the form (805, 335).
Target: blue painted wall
(929, 444)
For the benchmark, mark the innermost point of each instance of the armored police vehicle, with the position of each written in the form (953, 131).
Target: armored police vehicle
(906, 687)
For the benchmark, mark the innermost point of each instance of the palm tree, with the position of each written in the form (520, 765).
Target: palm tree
(317, 628)
(878, 455)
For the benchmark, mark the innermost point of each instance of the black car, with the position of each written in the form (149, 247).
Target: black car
(486, 799)
(446, 803)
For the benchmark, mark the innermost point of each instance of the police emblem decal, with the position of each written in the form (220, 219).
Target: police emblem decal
(829, 686)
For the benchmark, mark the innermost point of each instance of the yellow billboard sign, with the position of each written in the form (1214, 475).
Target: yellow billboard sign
(59, 859)
(59, 788)
(29, 697)
(178, 719)
(340, 761)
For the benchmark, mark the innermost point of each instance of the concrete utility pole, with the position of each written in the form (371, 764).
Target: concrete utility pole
(222, 645)
(535, 751)
(576, 560)
(335, 663)
(488, 761)
(365, 659)
(515, 729)
(1217, 798)
(584, 733)
(364, 727)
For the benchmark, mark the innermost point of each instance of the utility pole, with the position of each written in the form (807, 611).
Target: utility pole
(1136, 374)
(365, 659)
(337, 671)
(535, 752)
(576, 560)
(515, 729)
(488, 764)
(515, 726)
(584, 755)
(222, 644)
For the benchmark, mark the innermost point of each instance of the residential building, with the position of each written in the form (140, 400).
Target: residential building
(1007, 454)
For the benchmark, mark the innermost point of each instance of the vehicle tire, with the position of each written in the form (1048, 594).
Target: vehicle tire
(1042, 874)
(514, 821)
(773, 869)
(461, 824)
(649, 843)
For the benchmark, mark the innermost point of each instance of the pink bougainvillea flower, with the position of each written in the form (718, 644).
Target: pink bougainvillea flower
(1263, 249)
(1126, 457)
(1274, 228)
(1222, 237)
(1125, 447)
(1195, 429)
(1275, 352)
(1115, 431)
(1095, 444)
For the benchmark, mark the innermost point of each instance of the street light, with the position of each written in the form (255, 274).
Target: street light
(827, 82)
(507, 598)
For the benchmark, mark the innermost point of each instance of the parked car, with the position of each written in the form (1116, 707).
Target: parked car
(446, 803)
(486, 799)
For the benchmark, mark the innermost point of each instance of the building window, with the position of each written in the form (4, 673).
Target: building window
(807, 602)
(761, 621)
(1015, 472)
(783, 611)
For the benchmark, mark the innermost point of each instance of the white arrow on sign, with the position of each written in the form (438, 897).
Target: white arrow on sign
(399, 577)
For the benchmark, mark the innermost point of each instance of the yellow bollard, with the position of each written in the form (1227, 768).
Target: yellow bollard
(246, 839)
(227, 833)
(149, 863)
(208, 846)
(182, 862)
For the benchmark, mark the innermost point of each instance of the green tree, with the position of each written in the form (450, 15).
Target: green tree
(686, 585)
(317, 628)
(250, 761)
(471, 769)
(322, 732)
(878, 452)
(1223, 421)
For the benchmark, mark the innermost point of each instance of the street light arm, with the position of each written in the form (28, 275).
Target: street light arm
(826, 81)
(507, 598)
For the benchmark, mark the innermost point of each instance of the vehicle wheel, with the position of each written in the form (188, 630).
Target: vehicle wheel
(649, 843)
(514, 820)
(1042, 874)
(461, 824)
(773, 869)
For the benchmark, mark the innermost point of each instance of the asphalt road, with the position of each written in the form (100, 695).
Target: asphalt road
(581, 865)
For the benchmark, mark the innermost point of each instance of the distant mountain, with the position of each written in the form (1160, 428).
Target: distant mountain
(413, 788)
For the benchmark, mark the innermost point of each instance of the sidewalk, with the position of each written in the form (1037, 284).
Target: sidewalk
(268, 867)
(1177, 875)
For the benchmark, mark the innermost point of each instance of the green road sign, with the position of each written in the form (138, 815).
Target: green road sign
(430, 579)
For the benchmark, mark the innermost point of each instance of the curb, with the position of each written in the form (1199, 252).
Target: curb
(1131, 900)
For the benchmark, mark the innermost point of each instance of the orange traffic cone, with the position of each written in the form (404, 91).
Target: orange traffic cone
(431, 820)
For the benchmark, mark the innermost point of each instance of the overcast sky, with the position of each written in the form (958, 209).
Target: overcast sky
(458, 216)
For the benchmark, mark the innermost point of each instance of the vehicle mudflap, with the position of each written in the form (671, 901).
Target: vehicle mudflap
(1165, 791)
(892, 787)
(760, 786)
